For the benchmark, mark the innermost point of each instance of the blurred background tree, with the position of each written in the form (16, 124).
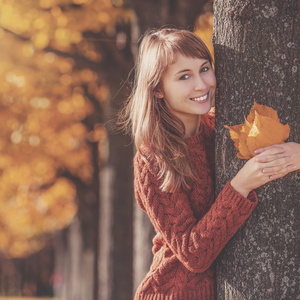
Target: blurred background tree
(69, 225)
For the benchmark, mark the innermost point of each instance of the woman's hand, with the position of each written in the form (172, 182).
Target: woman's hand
(291, 149)
(270, 164)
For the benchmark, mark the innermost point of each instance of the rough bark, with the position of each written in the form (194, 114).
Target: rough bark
(257, 58)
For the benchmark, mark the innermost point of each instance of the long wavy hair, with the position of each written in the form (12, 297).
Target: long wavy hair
(147, 117)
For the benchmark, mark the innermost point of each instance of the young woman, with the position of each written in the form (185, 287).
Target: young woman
(172, 122)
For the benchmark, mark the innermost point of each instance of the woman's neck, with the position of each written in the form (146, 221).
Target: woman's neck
(192, 128)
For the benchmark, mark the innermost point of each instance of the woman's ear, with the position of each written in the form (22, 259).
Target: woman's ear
(158, 94)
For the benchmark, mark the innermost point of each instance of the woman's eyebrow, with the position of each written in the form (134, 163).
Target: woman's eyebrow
(182, 71)
(187, 70)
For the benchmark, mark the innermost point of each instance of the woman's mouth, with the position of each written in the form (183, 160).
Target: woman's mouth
(201, 99)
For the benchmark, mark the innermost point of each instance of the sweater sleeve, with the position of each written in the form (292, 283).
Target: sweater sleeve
(196, 243)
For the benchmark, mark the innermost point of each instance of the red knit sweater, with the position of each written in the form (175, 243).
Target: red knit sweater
(191, 227)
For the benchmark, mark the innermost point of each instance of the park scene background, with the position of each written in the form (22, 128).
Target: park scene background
(69, 225)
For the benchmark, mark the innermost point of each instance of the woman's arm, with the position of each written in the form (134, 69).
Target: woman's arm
(196, 243)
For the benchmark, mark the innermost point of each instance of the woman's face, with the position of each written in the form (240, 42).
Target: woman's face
(188, 88)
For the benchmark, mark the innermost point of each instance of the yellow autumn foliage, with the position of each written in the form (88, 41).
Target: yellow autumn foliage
(28, 214)
(204, 29)
(45, 96)
(262, 128)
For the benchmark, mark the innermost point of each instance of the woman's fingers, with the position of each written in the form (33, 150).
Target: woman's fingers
(283, 172)
(275, 160)
(278, 165)
(270, 154)
(274, 163)
(279, 159)
(280, 169)
(276, 176)
(261, 150)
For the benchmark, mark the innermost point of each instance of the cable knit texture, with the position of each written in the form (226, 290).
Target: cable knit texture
(191, 226)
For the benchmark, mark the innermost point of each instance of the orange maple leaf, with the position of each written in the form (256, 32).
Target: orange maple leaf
(262, 128)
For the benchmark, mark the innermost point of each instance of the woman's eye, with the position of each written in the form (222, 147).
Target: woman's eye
(184, 77)
(205, 69)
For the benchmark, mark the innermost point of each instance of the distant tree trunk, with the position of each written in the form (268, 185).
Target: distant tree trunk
(116, 224)
(116, 177)
(76, 248)
(257, 58)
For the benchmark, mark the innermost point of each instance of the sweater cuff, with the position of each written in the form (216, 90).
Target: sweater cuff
(248, 203)
(252, 195)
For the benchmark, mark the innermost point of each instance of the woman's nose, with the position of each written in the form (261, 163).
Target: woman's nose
(200, 83)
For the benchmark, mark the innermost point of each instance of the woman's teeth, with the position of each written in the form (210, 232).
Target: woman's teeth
(200, 98)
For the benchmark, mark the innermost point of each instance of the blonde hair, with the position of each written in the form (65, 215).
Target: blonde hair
(148, 118)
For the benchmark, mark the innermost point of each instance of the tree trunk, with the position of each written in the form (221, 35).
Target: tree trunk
(76, 261)
(256, 58)
(116, 226)
(116, 179)
(73, 276)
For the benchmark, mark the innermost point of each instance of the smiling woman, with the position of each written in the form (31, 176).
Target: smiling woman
(170, 117)
(148, 113)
